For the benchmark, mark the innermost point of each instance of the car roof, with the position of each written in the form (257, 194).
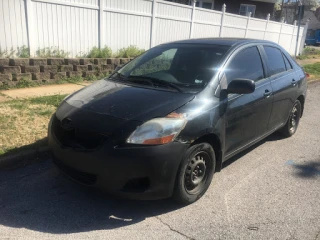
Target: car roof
(222, 41)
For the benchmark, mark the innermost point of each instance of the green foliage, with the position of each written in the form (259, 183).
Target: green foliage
(7, 53)
(95, 52)
(23, 83)
(313, 69)
(131, 51)
(23, 52)
(311, 51)
(51, 52)
(53, 100)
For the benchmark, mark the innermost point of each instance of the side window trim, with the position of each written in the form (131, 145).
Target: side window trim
(263, 61)
(287, 60)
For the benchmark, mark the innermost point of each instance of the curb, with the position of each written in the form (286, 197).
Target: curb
(21, 157)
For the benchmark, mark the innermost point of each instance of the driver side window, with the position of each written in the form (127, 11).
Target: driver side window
(246, 64)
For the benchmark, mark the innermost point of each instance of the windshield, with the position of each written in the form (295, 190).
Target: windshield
(176, 66)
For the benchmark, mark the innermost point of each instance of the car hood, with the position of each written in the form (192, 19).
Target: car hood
(126, 101)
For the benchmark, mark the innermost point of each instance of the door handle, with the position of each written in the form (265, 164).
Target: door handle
(293, 83)
(267, 93)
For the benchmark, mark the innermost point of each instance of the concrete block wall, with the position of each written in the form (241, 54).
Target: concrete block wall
(43, 70)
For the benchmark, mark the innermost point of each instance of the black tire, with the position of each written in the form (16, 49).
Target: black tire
(195, 173)
(293, 121)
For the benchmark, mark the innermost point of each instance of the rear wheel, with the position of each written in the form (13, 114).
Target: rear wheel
(292, 124)
(195, 173)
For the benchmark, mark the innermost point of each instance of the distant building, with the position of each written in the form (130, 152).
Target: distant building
(258, 8)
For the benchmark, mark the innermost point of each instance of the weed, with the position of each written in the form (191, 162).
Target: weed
(26, 83)
(7, 53)
(23, 52)
(308, 53)
(51, 52)
(131, 51)
(95, 52)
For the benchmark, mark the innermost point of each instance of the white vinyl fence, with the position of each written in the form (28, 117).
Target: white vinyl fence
(76, 26)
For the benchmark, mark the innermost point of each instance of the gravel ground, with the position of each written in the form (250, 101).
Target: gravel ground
(272, 191)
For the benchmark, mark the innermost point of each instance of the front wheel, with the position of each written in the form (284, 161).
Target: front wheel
(195, 173)
(294, 118)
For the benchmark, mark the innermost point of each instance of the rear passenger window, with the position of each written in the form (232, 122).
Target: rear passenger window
(275, 60)
(286, 61)
(246, 64)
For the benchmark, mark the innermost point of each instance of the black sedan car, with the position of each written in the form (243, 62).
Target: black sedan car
(161, 125)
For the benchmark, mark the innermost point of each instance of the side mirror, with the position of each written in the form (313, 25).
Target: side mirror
(241, 86)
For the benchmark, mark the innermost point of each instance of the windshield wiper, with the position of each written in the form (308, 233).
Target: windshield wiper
(152, 81)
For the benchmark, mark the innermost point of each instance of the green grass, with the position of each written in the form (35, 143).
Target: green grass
(24, 122)
(309, 52)
(54, 100)
(313, 70)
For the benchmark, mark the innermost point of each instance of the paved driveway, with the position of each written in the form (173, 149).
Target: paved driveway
(272, 191)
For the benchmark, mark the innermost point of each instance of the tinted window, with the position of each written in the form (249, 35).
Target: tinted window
(189, 66)
(246, 64)
(286, 61)
(275, 60)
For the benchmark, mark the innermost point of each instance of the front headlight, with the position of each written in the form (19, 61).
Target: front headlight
(158, 130)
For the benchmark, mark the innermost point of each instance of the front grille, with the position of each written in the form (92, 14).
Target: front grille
(84, 178)
(75, 137)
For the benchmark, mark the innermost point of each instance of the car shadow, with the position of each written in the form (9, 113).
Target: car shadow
(310, 169)
(40, 198)
(273, 137)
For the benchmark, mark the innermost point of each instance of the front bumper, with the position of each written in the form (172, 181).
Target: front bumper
(136, 172)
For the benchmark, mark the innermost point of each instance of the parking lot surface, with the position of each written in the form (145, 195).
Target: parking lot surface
(271, 191)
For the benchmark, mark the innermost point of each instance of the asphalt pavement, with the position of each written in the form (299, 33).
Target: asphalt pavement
(271, 191)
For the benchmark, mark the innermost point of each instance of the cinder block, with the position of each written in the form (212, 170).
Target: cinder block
(4, 62)
(74, 74)
(80, 68)
(5, 77)
(55, 61)
(72, 61)
(22, 76)
(30, 69)
(115, 61)
(49, 68)
(89, 74)
(58, 75)
(97, 68)
(107, 67)
(10, 69)
(86, 61)
(66, 68)
(100, 61)
(8, 83)
(41, 76)
(38, 61)
(19, 62)
(124, 60)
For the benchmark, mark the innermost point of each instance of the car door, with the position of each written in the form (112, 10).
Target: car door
(284, 84)
(247, 115)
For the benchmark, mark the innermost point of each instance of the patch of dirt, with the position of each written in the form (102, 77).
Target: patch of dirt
(308, 61)
(42, 91)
